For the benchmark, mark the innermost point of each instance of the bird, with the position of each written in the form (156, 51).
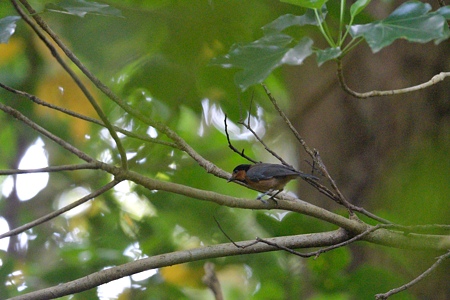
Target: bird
(266, 177)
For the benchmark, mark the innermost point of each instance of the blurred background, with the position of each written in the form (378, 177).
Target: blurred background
(389, 155)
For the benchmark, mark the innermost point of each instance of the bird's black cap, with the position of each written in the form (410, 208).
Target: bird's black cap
(241, 168)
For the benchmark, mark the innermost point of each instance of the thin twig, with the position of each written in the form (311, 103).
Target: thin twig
(325, 172)
(434, 80)
(89, 166)
(304, 255)
(326, 249)
(249, 128)
(288, 122)
(226, 235)
(308, 254)
(60, 211)
(338, 197)
(313, 153)
(427, 272)
(241, 153)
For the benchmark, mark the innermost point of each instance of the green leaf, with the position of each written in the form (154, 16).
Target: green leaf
(327, 54)
(285, 21)
(259, 58)
(358, 7)
(307, 3)
(410, 21)
(81, 7)
(7, 28)
(444, 11)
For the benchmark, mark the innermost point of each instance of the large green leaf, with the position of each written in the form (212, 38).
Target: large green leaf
(327, 54)
(307, 3)
(411, 21)
(259, 58)
(7, 28)
(285, 21)
(81, 7)
(358, 7)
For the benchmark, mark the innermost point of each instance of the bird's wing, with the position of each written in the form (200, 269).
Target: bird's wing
(267, 171)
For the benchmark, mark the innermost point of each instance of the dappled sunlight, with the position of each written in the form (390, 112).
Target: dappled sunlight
(7, 186)
(137, 122)
(152, 132)
(29, 185)
(113, 289)
(137, 206)
(4, 227)
(277, 214)
(105, 156)
(16, 279)
(135, 252)
(213, 115)
(70, 196)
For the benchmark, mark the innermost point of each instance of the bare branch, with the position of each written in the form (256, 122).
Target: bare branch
(249, 128)
(434, 80)
(241, 153)
(341, 198)
(416, 280)
(313, 153)
(338, 197)
(89, 166)
(157, 261)
(288, 122)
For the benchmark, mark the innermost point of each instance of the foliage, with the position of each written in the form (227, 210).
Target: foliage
(161, 58)
(412, 21)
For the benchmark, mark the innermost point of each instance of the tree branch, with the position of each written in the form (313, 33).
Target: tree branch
(355, 226)
(416, 280)
(434, 80)
(89, 166)
(338, 197)
(158, 261)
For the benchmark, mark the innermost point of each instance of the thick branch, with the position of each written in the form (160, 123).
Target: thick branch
(381, 236)
(95, 279)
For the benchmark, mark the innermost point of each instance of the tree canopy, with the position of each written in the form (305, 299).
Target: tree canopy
(122, 120)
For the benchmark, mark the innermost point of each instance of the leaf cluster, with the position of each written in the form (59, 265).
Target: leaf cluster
(413, 21)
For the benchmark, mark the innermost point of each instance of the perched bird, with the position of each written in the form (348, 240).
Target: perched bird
(266, 177)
